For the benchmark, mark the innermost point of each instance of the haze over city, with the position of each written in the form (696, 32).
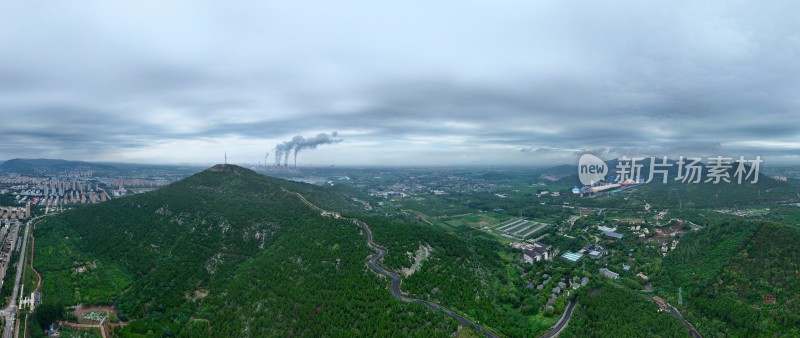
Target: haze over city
(412, 83)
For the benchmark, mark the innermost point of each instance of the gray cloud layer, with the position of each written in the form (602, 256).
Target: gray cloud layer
(450, 82)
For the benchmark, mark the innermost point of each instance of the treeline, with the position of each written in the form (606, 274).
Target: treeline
(610, 311)
(527, 206)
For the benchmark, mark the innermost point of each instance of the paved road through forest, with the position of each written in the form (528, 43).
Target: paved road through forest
(380, 252)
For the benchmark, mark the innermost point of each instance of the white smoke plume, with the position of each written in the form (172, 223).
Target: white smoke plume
(298, 143)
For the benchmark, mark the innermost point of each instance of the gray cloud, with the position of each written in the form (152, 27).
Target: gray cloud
(453, 83)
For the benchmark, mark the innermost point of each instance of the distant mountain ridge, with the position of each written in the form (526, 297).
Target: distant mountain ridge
(41, 165)
(688, 194)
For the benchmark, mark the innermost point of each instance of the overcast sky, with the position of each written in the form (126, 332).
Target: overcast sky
(408, 83)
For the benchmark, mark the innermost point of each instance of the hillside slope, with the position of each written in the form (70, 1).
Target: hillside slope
(726, 271)
(225, 252)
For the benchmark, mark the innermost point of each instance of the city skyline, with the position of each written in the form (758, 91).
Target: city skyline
(408, 84)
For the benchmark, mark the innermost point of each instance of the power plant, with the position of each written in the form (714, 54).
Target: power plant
(298, 143)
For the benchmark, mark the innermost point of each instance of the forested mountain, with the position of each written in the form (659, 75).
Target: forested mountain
(728, 273)
(225, 252)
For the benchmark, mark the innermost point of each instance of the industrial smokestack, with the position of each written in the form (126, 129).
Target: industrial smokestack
(298, 143)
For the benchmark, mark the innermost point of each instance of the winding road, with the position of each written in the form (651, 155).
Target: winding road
(687, 325)
(373, 263)
(395, 286)
(562, 323)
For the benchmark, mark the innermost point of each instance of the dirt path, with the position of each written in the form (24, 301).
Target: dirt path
(80, 311)
(86, 326)
(39, 283)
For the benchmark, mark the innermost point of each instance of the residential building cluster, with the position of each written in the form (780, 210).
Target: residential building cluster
(55, 192)
(9, 237)
(10, 213)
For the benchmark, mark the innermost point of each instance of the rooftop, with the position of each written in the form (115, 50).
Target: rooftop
(612, 234)
(608, 273)
(535, 251)
(572, 256)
